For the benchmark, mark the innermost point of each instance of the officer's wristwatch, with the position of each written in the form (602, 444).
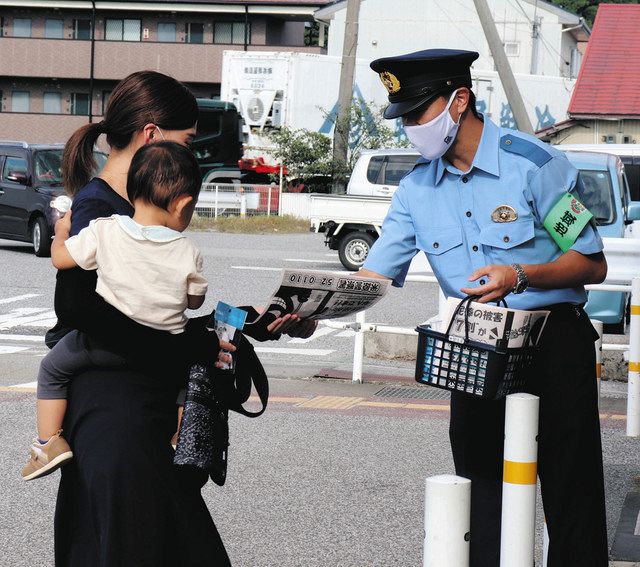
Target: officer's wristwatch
(522, 282)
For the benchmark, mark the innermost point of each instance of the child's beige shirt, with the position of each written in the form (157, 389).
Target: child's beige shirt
(146, 272)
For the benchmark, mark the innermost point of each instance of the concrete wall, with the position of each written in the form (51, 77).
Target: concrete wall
(386, 30)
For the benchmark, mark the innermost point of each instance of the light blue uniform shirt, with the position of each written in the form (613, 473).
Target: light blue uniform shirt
(446, 213)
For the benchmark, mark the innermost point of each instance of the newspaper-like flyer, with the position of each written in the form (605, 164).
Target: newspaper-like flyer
(315, 295)
(494, 325)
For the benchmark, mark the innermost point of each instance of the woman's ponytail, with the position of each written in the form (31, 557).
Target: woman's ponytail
(144, 97)
(78, 161)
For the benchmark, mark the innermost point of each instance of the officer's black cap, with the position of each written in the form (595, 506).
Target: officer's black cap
(416, 78)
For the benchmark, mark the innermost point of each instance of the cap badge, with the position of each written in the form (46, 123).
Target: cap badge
(390, 81)
(504, 213)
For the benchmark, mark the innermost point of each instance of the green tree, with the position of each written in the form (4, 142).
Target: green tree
(586, 8)
(304, 153)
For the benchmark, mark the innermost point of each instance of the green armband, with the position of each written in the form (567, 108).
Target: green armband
(566, 220)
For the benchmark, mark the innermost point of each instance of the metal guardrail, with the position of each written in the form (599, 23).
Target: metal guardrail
(360, 326)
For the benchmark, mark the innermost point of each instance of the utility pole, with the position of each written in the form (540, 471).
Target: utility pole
(345, 93)
(504, 69)
(535, 36)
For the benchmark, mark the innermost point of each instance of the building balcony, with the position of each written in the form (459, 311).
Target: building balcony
(37, 128)
(71, 59)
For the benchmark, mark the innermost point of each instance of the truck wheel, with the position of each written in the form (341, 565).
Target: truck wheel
(354, 249)
(40, 237)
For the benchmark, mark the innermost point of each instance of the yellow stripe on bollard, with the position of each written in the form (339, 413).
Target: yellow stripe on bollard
(634, 367)
(598, 370)
(635, 310)
(519, 473)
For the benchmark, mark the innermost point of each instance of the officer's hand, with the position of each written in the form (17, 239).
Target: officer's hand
(499, 281)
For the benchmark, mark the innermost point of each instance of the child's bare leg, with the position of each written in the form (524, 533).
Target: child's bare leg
(50, 416)
(180, 412)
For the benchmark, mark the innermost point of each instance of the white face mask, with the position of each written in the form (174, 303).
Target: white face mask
(434, 138)
(161, 134)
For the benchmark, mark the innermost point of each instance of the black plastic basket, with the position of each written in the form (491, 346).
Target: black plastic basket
(475, 368)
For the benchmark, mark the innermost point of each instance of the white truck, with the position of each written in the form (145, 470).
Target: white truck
(351, 223)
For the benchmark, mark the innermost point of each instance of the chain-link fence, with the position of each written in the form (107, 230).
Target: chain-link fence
(230, 199)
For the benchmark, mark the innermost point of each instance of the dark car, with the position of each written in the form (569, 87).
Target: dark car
(31, 194)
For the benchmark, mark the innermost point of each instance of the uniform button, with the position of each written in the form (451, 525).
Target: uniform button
(506, 239)
(475, 248)
(435, 244)
(468, 213)
(482, 282)
(465, 179)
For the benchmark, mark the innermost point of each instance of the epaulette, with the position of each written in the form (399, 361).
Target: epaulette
(526, 149)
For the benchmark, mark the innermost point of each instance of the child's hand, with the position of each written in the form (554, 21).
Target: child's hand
(63, 226)
(224, 357)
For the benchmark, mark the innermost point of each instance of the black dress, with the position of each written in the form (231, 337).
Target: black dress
(121, 502)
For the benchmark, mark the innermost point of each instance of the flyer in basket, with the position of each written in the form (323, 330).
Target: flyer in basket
(316, 295)
(497, 326)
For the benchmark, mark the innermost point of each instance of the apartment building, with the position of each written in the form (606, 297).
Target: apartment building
(60, 59)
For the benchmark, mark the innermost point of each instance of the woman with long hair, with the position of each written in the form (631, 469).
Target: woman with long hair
(121, 501)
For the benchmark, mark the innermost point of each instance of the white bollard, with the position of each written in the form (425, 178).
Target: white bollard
(358, 348)
(442, 310)
(447, 520)
(633, 387)
(519, 481)
(243, 204)
(215, 206)
(545, 544)
(599, 327)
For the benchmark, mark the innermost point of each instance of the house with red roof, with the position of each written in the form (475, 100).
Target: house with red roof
(605, 106)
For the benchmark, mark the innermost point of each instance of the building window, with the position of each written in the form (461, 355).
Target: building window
(312, 33)
(54, 29)
(20, 101)
(195, 33)
(82, 29)
(512, 48)
(231, 33)
(21, 27)
(52, 103)
(1, 26)
(167, 32)
(106, 95)
(122, 30)
(79, 104)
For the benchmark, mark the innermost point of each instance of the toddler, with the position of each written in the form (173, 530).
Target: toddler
(146, 268)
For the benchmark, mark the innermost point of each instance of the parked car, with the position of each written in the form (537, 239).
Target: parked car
(31, 192)
(628, 153)
(351, 226)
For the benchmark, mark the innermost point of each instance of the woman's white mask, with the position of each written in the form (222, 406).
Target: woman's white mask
(434, 138)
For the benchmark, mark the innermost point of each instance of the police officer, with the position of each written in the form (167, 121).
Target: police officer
(476, 204)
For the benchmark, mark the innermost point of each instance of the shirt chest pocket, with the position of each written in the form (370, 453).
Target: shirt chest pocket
(438, 240)
(500, 239)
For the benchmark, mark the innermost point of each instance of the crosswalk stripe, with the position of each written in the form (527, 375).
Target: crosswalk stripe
(20, 321)
(11, 349)
(23, 338)
(18, 298)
